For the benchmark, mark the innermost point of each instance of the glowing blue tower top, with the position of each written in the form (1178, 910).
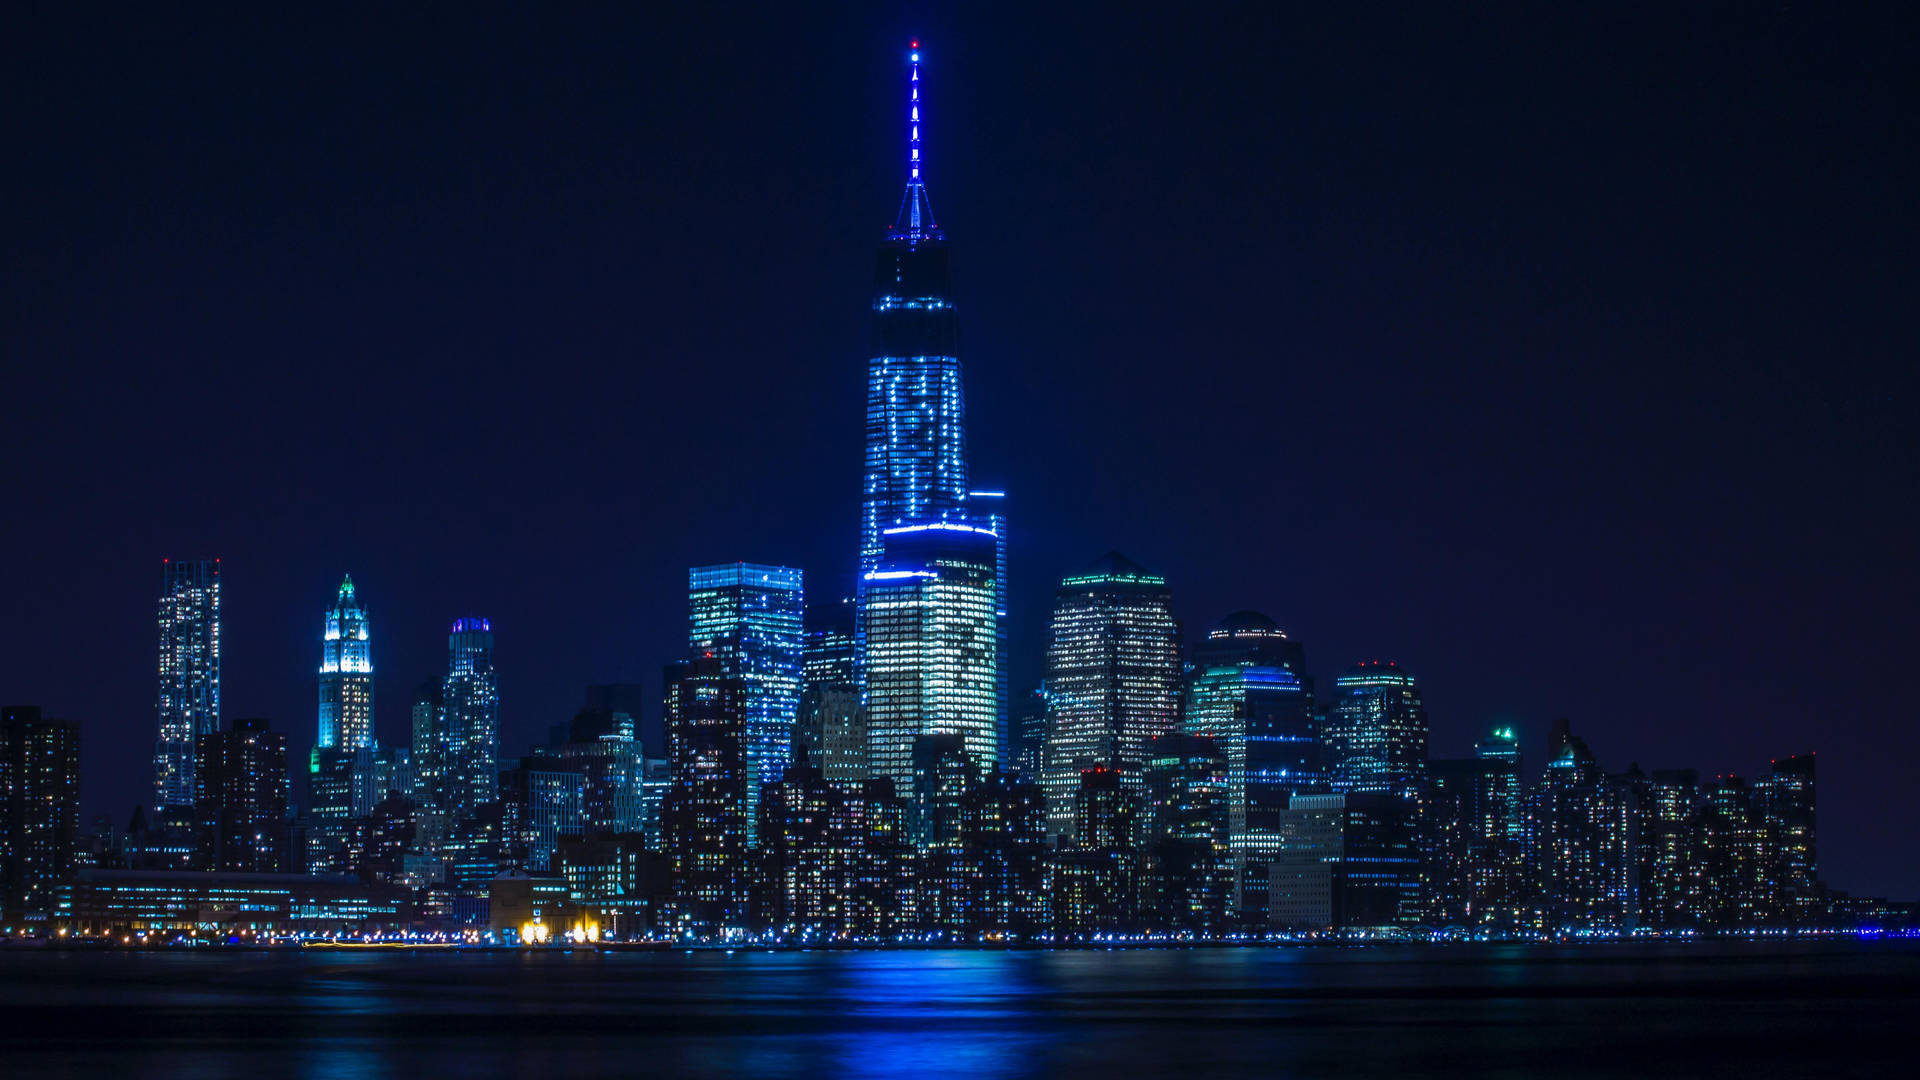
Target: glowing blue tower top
(915, 221)
(916, 462)
(346, 675)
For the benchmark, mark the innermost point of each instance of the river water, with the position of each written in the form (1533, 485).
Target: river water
(1708, 1009)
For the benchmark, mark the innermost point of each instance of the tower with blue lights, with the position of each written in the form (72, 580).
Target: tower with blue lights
(346, 675)
(916, 459)
(916, 442)
(748, 617)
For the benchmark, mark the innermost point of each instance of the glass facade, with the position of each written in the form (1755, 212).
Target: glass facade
(931, 645)
(1377, 730)
(189, 698)
(1113, 676)
(1246, 694)
(472, 703)
(748, 618)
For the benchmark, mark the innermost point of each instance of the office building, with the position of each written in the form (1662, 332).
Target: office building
(748, 617)
(931, 646)
(472, 702)
(1376, 732)
(1348, 861)
(1113, 677)
(39, 815)
(241, 774)
(189, 698)
(1246, 694)
(706, 828)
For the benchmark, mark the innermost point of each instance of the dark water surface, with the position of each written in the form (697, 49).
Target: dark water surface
(1733, 1010)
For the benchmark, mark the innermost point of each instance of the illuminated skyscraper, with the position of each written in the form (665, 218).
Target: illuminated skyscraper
(931, 646)
(1248, 696)
(189, 700)
(1113, 677)
(706, 826)
(1377, 731)
(1786, 802)
(346, 675)
(916, 461)
(989, 508)
(748, 618)
(39, 813)
(472, 702)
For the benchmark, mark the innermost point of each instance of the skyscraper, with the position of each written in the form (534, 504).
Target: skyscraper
(346, 675)
(472, 702)
(189, 698)
(748, 618)
(707, 828)
(833, 725)
(989, 508)
(430, 747)
(916, 463)
(39, 812)
(1248, 696)
(931, 645)
(1377, 730)
(1113, 676)
(242, 777)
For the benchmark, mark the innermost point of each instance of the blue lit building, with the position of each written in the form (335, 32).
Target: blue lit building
(346, 675)
(916, 461)
(931, 646)
(471, 700)
(748, 617)
(1376, 732)
(189, 697)
(340, 779)
(1247, 695)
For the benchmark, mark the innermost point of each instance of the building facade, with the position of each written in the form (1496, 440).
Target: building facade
(189, 697)
(472, 703)
(1376, 732)
(39, 814)
(1113, 676)
(749, 617)
(931, 646)
(241, 774)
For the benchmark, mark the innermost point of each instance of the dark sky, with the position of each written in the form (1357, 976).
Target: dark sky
(1565, 358)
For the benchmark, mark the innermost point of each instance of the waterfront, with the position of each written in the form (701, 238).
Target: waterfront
(1706, 1009)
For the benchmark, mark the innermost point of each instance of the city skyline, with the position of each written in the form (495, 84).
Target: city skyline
(1715, 701)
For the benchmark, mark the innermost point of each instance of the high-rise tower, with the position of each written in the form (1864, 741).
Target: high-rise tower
(748, 617)
(916, 463)
(472, 703)
(1113, 673)
(346, 676)
(931, 646)
(189, 698)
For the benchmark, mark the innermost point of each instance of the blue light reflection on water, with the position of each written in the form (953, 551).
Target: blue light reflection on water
(1734, 1009)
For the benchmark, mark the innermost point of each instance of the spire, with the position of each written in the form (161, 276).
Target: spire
(346, 587)
(915, 220)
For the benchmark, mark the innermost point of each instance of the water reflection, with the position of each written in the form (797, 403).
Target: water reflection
(1735, 1010)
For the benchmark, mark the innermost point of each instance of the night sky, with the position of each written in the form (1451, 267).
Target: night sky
(1565, 358)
